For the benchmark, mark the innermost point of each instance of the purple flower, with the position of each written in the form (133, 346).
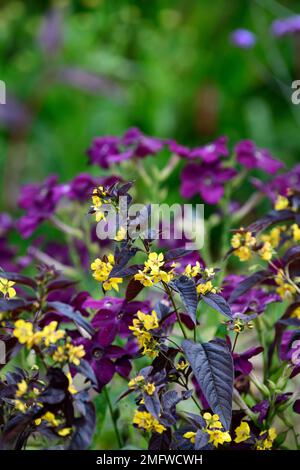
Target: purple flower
(254, 302)
(179, 149)
(205, 179)
(141, 144)
(290, 346)
(106, 151)
(285, 26)
(80, 188)
(253, 157)
(40, 201)
(241, 361)
(280, 184)
(114, 316)
(102, 149)
(50, 35)
(211, 152)
(243, 38)
(106, 359)
(6, 224)
(263, 406)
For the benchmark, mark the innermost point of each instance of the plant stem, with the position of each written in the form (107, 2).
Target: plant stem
(111, 410)
(235, 341)
(169, 293)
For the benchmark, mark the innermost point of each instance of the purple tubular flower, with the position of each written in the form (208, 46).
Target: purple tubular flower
(280, 184)
(40, 201)
(141, 144)
(114, 316)
(254, 301)
(105, 359)
(211, 152)
(241, 361)
(106, 151)
(205, 179)
(285, 26)
(243, 38)
(178, 149)
(251, 157)
(102, 148)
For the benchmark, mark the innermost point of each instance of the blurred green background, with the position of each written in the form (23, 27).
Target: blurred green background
(97, 67)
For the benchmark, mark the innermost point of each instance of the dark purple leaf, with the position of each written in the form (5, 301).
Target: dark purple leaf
(248, 283)
(68, 311)
(218, 303)
(19, 279)
(188, 293)
(212, 365)
(133, 289)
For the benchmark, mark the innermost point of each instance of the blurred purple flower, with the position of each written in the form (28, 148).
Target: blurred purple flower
(50, 34)
(205, 179)
(211, 152)
(179, 149)
(40, 201)
(106, 151)
(284, 26)
(88, 81)
(243, 38)
(263, 406)
(14, 115)
(81, 187)
(280, 184)
(253, 157)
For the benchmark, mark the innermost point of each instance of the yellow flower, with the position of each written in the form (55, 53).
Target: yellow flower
(182, 366)
(121, 234)
(112, 283)
(71, 387)
(296, 232)
(203, 289)
(22, 388)
(149, 388)
(266, 252)
(191, 436)
(267, 442)
(60, 354)
(50, 335)
(133, 383)
(284, 289)
(154, 262)
(6, 287)
(217, 437)
(242, 243)
(49, 417)
(24, 332)
(281, 203)
(149, 321)
(20, 406)
(212, 421)
(64, 432)
(296, 313)
(146, 421)
(75, 353)
(192, 271)
(143, 278)
(242, 432)
(98, 199)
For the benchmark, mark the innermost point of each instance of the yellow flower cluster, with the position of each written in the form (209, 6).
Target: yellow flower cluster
(152, 272)
(69, 353)
(102, 271)
(242, 432)
(295, 232)
(146, 421)
(182, 366)
(267, 442)
(296, 313)
(22, 388)
(192, 271)
(51, 419)
(98, 198)
(213, 429)
(243, 242)
(274, 236)
(205, 288)
(25, 334)
(284, 289)
(139, 383)
(6, 287)
(141, 327)
(281, 203)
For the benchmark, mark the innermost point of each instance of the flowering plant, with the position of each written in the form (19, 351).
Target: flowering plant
(205, 353)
